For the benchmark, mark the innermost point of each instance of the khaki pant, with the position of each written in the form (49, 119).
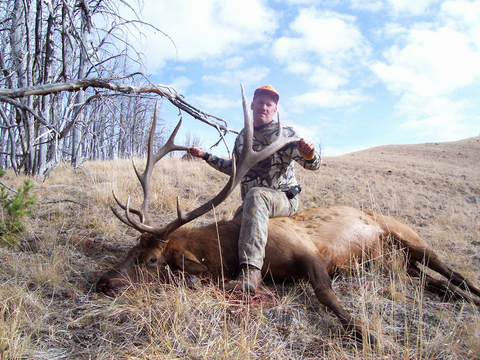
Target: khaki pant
(259, 205)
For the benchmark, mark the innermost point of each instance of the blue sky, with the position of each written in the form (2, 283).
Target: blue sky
(351, 74)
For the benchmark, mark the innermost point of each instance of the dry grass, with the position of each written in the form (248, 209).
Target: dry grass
(48, 308)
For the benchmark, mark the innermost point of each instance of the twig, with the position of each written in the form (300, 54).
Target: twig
(9, 188)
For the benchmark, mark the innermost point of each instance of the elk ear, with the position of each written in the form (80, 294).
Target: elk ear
(189, 263)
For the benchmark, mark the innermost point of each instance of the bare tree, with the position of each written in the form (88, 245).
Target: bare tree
(62, 90)
(192, 140)
(106, 130)
(45, 42)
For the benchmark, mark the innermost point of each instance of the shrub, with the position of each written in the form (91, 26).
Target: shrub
(14, 209)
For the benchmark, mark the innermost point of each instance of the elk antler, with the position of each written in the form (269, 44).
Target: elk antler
(240, 167)
(144, 177)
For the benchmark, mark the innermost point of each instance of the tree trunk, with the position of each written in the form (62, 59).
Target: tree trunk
(80, 98)
(20, 56)
(45, 76)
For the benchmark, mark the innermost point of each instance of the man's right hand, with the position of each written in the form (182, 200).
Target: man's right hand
(196, 151)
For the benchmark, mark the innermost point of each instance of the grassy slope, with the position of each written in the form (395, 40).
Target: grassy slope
(49, 310)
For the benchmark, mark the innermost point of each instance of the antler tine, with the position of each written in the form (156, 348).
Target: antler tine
(124, 207)
(152, 159)
(248, 158)
(144, 178)
(128, 221)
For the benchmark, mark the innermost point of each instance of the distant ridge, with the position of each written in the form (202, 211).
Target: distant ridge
(459, 153)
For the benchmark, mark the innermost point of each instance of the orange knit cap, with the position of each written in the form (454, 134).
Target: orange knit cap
(269, 89)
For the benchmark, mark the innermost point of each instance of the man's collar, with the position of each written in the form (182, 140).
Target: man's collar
(261, 127)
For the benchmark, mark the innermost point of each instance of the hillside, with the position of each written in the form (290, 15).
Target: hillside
(49, 308)
(458, 153)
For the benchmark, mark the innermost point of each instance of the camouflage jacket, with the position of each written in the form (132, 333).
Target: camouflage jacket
(277, 171)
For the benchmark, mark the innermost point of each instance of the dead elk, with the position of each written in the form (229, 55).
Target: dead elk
(312, 245)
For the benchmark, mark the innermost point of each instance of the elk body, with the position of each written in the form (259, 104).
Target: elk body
(312, 245)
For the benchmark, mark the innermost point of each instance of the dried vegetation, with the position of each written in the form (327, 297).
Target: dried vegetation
(48, 308)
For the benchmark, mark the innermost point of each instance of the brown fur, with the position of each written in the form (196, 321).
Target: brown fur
(311, 245)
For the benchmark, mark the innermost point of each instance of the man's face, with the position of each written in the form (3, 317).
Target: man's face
(263, 108)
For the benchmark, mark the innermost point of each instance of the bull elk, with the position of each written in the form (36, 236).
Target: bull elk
(312, 245)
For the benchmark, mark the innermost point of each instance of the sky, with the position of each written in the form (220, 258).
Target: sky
(351, 74)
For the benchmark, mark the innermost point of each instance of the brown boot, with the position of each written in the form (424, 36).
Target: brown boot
(247, 281)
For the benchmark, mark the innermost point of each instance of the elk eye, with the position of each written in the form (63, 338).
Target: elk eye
(153, 260)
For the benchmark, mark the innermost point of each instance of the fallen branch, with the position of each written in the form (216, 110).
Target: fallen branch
(110, 83)
(8, 188)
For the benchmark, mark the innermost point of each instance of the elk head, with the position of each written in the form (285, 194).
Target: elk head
(149, 258)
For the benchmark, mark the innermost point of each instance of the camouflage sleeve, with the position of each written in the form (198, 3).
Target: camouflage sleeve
(223, 165)
(292, 151)
(313, 164)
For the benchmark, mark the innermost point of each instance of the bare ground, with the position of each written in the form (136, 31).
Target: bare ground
(49, 309)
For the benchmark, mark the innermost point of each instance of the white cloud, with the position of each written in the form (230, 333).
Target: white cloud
(234, 62)
(415, 105)
(412, 7)
(463, 16)
(432, 62)
(441, 128)
(327, 99)
(203, 29)
(466, 11)
(324, 78)
(299, 67)
(368, 5)
(440, 118)
(392, 30)
(429, 66)
(215, 103)
(181, 84)
(429, 51)
(328, 36)
(311, 132)
(396, 7)
(304, 2)
(320, 77)
(322, 47)
(246, 77)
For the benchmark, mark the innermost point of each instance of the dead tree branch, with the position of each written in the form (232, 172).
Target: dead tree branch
(111, 84)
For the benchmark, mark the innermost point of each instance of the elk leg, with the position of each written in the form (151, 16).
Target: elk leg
(441, 287)
(430, 259)
(322, 285)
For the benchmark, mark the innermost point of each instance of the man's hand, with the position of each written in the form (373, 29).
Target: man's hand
(196, 151)
(306, 149)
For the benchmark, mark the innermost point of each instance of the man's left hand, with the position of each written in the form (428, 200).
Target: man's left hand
(306, 149)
